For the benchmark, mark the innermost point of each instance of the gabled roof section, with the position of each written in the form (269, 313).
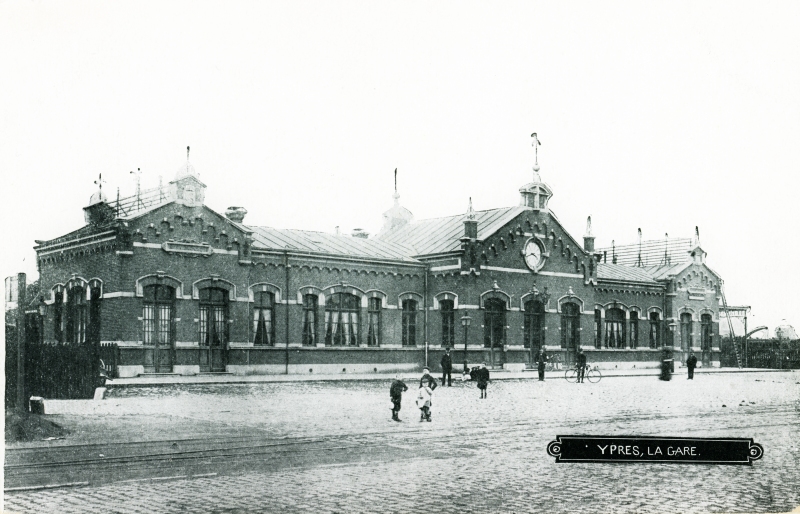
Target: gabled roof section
(618, 272)
(267, 238)
(442, 235)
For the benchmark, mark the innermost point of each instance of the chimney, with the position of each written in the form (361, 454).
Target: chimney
(360, 233)
(236, 214)
(588, 238)
(470, 223)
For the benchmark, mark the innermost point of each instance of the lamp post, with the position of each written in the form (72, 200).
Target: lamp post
(465, 321)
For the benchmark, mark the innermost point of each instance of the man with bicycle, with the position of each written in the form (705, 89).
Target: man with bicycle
(580, 364)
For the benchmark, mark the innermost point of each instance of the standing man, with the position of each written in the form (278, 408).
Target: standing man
(483, 379)
(542, 359)
(447, 368)
(396, 395)
(691, 362)
(581, 364)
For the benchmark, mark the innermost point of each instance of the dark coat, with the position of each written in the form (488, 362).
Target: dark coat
(581, 359)
(482, 377)
(691, 362)
(541, 359)
(447, 362)
(397, 388)
(428, 380)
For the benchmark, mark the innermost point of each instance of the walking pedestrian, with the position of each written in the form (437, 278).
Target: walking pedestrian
(580, 363)
(424, 396)
(447, 368)
(691, 362)
(396, 395)
(542, 359)
(483, 379)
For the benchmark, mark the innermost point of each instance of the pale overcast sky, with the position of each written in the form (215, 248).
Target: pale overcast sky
(659, 115)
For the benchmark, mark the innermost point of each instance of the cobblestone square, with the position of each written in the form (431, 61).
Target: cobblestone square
(331, 447)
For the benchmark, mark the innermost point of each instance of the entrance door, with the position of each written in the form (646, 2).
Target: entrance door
(534, 330)
(157, 321)
(494, 329)
(213, 329)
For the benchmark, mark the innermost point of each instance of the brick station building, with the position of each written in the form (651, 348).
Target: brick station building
(183, 289)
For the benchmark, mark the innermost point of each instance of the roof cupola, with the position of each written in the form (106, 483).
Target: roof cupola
(186, 188)
(536, 194)
(397, 216)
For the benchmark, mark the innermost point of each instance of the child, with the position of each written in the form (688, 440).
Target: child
(424, 402)
(396, 395)
(483, 379)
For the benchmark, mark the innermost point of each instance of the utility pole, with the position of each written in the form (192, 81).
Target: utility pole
(21, 343)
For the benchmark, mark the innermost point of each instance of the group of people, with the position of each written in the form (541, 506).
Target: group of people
(427, 384)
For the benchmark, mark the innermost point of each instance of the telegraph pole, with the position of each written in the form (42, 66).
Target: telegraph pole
(21, 343)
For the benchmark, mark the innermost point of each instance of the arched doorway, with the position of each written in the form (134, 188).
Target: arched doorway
(570, 334)
(213, 329)
(534, 329)
(158, 314)
(494, 329)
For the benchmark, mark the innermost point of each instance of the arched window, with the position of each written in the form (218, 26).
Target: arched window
(615, 328)
(655, 330)
(570, 336)
(263, 318)
(213, 317)
(310, 303)
(534, 325)
(634, 330)
(447, 309)
(494, 323)
(598, 328)
(58, 317)
(76, 315)
(686, 331)
(705, 325)
(409, 322)
(374, 322)
(157, 314)
(341, 320)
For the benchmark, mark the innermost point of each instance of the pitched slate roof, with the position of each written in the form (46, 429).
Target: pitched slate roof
(442, 235)
(320, 242)
(623, 273)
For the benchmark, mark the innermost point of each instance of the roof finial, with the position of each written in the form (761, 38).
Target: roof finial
(639, 259)
(187, 153)
(536, 143)
(396, 195)
(470, 211)
(100, 182)
(588, 226)
(613, 252)
(696, 236)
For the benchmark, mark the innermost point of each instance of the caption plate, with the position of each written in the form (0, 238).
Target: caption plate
(686, 450)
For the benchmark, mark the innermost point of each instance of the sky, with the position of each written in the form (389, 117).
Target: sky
(654, 115)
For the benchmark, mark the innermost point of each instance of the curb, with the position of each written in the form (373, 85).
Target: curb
(496, 375)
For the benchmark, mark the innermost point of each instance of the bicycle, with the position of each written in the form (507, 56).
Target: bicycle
(593, 375)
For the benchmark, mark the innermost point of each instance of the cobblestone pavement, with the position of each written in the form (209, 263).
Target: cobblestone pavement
(476, 455)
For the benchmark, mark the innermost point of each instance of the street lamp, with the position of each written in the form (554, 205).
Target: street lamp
(465, 321)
